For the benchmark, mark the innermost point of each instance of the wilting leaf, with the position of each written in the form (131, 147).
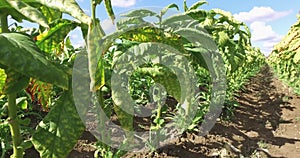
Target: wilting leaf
(94, 56)
(197, 5)
(164, 11)
(109, 10)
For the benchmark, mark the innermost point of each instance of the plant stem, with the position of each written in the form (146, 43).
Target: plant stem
(93, 6)
(14, 126)
(4, 24)
(12, 108)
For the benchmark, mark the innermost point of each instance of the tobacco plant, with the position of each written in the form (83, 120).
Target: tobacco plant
(37, 59)
(285, 58)
(24, 58)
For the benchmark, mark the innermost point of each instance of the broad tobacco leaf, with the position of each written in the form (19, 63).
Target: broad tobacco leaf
(20, 53)
(59, 131)
(15, 82)
(50, 14)
(29, 12)
(67, 6)
(50, 39)
(5, 7)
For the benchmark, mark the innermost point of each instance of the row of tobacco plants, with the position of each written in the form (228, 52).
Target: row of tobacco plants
(285, 58)
(37, 71)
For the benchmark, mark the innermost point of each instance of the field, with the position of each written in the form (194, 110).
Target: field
(164, 84)
(265, 125)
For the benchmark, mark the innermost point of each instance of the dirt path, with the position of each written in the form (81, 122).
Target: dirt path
(267, 122)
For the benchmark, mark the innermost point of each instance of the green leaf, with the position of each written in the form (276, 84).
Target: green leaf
(297, 57)
(124, 23)
(141, 13)
(22, 103)
(96, 68)
(198, 14)
(68, 6)
(29, 12)
(24, 122)
(126, 119)
(197, 5)
(223, 38)
(204, 39)
(26, 144)
(59, 131)
(109, 9)
(4, 4)
(50, 14)
(164, 77)
(177, 18)
(185, 7)
(59, 29)
(15, 81)
(20, 53)
(164, 11)
(2, 80)
(97, 1)
(6, 8)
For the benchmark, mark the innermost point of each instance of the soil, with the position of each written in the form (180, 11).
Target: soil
(266, 124)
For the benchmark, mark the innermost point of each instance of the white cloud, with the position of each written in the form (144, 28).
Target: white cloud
(108, 26)
(263, 35)
(261, 14)
(123, 3)
(76, 38)
(262, 32)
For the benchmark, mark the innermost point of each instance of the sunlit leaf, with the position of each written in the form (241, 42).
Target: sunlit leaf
(67, 6)
(28, 11)
(50, 39)
(2, 80)
(164, 11)
(50, 14)
(185, 7)
(197, 5)
(297, 57)
(141, 13)
(22, 103)
(96, 68)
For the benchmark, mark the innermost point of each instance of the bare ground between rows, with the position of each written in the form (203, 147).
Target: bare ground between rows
(266, 124)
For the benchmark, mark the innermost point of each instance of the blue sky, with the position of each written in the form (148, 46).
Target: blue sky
(269, 20)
